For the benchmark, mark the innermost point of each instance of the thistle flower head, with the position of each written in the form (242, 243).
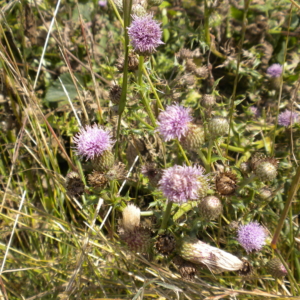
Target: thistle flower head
(181, 183)
(254, 111)
(92, 141)
(174, 122)
(252, 236)
(287, 118)
(145, 34)
(274, 70)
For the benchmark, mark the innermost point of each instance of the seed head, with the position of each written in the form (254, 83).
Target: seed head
(210, 207)
(226, 183)
(288, 118)
(133, 62)
(145, 34)
(174, 122)
(93, 141)
(218, 126)
(165, 243)
(276, 268)
(115, 94)
(252, 236)
(74, 185)
(181, 183)
(274, 70)
(131, 217)
(194, 138)
(97, 179)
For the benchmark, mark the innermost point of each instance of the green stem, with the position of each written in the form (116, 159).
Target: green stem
(239, 58)
(281, 83)
(147, 213)
(204, 160)
(166, 216)
(143, 121)
(153, 88)
(291, 277)
(233, 148)
(210, 146)
(292, 192)
(183, 153)
(127, 11)
(144, 98)
(206, 23)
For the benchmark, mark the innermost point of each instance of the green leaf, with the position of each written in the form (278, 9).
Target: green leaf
(56, 93)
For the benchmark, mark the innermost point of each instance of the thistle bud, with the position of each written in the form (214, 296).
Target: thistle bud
(74, 185)
(115, 94)
(218, 126)
(139, 10)
(217, 260)
(131, 217)
(245, 167)
(264, 193)
(226, 183)
(154, 2)
(266, 171)
(208, 101)
(104, 162)
(194, 138)
(276, 268)
(165, 243)
(210, 207)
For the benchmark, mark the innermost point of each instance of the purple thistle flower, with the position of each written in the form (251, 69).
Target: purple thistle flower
(252, 236)
(274, 70)
(181, 183)
(174, 122)
(92, 141)
(254, 110)
(102, 3)
(287, 118)
(145, 34)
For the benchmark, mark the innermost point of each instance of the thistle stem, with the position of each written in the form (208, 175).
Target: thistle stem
(204, 160)
(210, 146)
(183, 153)
(166, 216)
(144, 98)
(292, 192)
